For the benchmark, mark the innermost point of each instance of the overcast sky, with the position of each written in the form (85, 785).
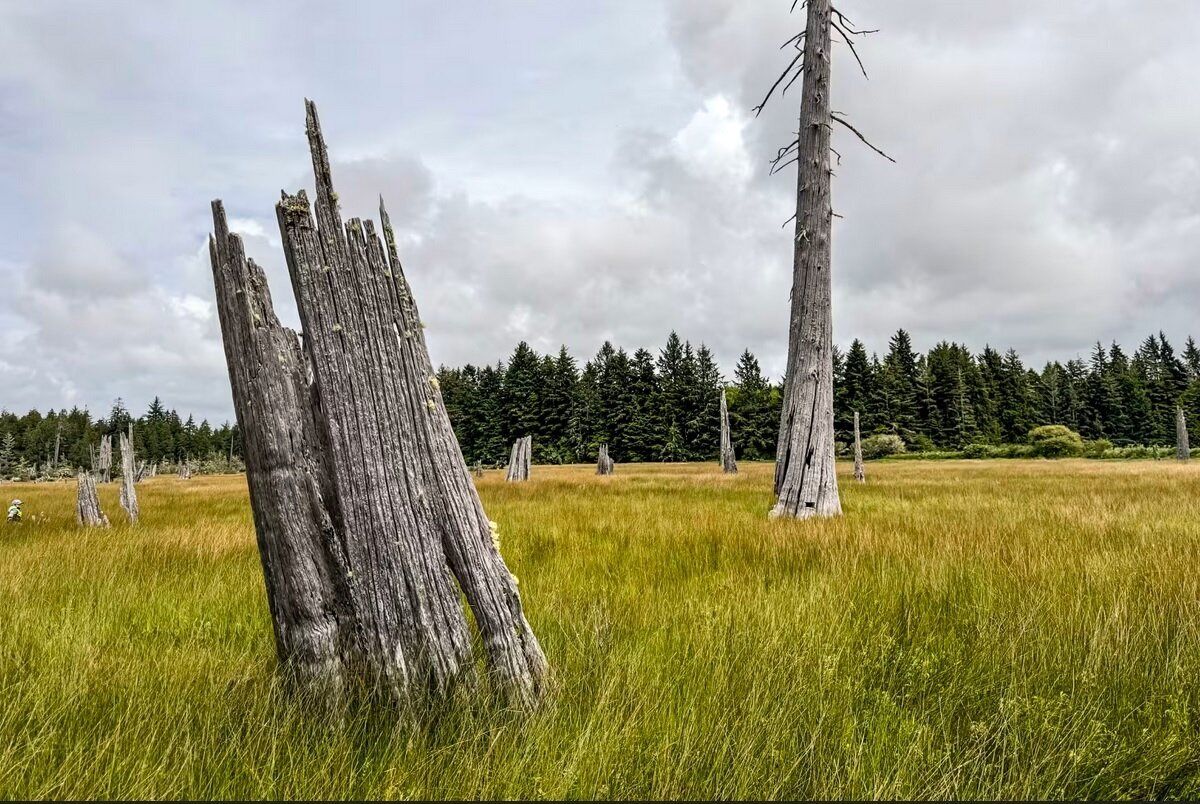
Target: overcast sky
(570, 172)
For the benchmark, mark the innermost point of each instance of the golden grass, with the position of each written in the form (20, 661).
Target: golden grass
(968, 629)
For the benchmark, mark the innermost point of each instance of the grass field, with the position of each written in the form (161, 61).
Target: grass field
(968, 629)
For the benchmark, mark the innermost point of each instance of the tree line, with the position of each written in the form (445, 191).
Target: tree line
(60, 440)
(664, 406)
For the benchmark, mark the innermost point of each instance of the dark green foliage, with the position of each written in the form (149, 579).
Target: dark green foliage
(1055, 441)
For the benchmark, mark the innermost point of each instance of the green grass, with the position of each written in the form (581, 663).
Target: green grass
(1000, 629)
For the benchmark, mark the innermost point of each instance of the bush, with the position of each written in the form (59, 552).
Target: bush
(1097, 448)
(1055, 441)
(882, 445)
(922, 443)
(979, 451)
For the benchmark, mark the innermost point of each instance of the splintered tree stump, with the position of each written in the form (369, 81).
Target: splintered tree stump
(1183, 450)
(129, 499)
(728, 459)
(104, 464)
(604, 464)
(805, 476)
(369, 526)
(860, 472)
(87, 503)
(518, 461)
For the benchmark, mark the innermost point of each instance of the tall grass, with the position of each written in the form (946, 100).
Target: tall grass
(968, 629)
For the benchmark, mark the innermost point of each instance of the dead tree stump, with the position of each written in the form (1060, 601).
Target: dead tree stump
(87, 503)
(104, 464)
(185, 471)
(604, 464)
(359, 476)
(1183, 450)
(129, 499)
(728, 459)
(860, 472)
(518, 461)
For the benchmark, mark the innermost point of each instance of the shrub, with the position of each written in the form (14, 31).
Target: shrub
(1097, 448)
(1055, 441)
(922, 443)
(978, 451)
(882, 445)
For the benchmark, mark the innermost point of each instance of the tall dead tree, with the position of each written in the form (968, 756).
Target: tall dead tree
(518, 460)
(87, 503)
(1182, 449)
(728, 460)
(805, 477)
(104, 464)
(369, 525)
(604, 464)
(860, 472)
(129, 499)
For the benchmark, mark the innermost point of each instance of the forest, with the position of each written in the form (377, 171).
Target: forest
(663, 407)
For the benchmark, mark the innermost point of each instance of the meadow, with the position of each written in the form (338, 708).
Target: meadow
(969, 629)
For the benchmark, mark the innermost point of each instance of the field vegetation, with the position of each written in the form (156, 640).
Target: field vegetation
(998, 629)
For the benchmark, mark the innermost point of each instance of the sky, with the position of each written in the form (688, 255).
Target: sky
(575, 172)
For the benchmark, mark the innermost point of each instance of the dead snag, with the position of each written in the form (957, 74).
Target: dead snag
(408, 516)
(604, 464)
(104, 464)
(518, 461)
(129, 499)
(1182, 449)
(303, 564)
(860, 472)
(805, 479)
(87, 503)
(728, 459)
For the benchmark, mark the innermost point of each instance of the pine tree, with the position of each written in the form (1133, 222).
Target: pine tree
(900, 383)
(753, 411)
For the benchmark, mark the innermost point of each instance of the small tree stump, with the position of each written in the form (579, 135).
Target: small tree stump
(604, 464)
(728, 460)
(518, 461)
(1182, 449)
(87, 503)
(860, 472)
(129, 499)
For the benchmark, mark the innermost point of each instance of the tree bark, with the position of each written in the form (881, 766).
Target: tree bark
(87, 503)
(129, 499)
(302, 559)
(1182, 449)
(805, 477)
(728, 460)
(400, 497)
(518, 461)
(604, 464)
(860, 472)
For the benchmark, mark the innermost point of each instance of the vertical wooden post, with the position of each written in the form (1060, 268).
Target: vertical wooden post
(728, 460)
(105, 463)
(860, 472)
(604, 464)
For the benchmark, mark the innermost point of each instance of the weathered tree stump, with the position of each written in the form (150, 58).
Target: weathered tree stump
(358, 485)
(477, 469)
(87, 503)
(604, 464)
(185, 470)
(518, 461)
(1183, 450)
(805, 477)
(104, 464)
(728, 459)
(860, 472)
(129, 499)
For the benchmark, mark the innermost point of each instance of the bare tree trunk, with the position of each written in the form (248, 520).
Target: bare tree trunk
(805, 477)
(860, 472)
(185, 473)
(57, 441)
(128, 477)
(604, 464)
(728, 460)
(406, 523)
(105, 466)
(1182, 450)
(303, 563)
(87, 503)
(518, 462)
